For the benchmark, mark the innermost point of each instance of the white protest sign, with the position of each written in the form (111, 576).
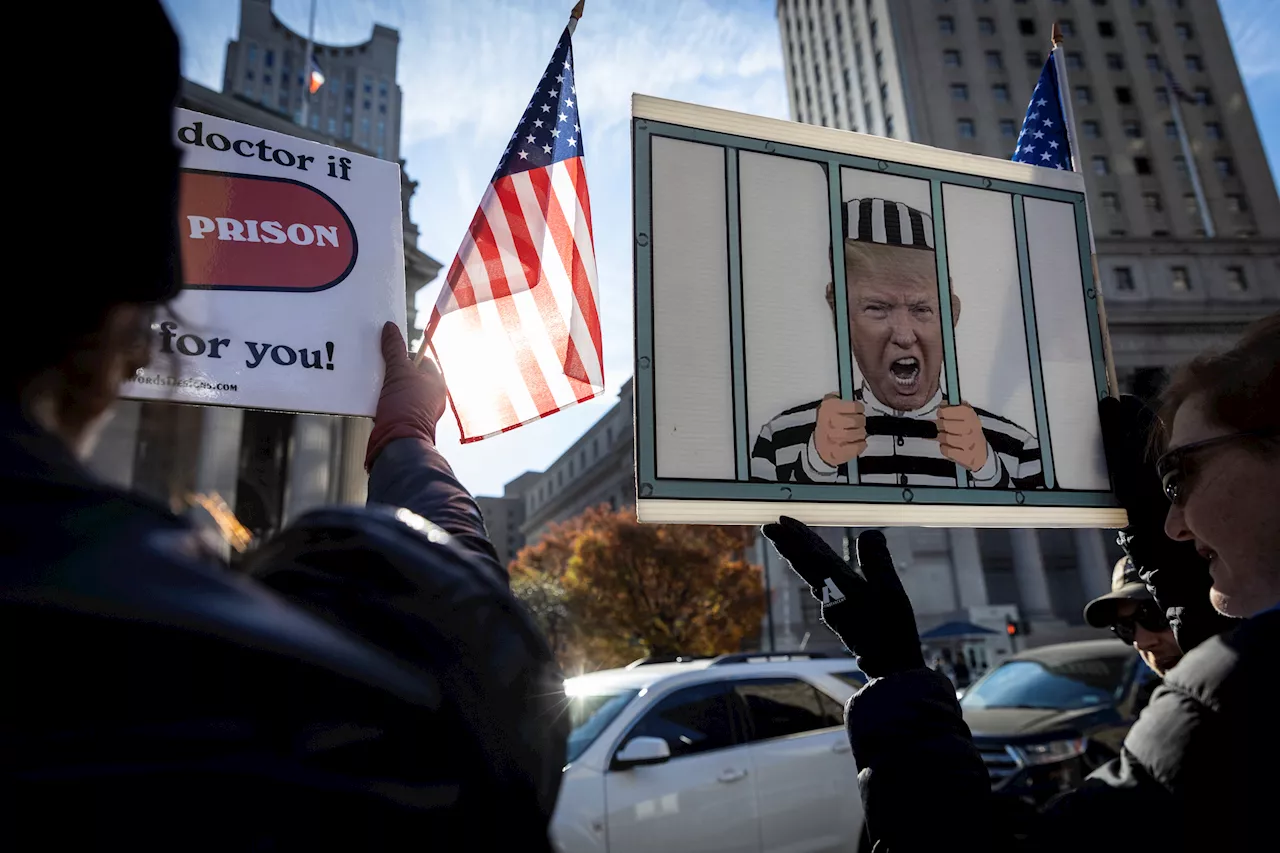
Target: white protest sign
(292, 260)
(860, 332)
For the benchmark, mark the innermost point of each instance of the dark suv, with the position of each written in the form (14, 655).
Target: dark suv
(1045, 718)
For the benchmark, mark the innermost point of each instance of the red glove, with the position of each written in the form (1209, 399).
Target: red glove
(412, 398)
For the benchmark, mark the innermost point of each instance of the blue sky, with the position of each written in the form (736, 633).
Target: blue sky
(467, 68)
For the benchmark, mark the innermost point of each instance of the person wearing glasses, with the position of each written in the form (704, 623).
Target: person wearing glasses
(1131, 613)
(1198, 769)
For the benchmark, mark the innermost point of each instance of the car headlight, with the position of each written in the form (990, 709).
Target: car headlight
(1050, 751)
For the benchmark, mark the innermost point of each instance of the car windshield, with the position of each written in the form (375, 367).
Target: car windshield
(1065, 685)
(590, 713)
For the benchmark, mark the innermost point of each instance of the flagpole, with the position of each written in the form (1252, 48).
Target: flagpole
(1188, 156)
(1077, 165)
(306, 66)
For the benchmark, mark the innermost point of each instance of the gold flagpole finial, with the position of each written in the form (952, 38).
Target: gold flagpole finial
(577, 10)
(1057, 34)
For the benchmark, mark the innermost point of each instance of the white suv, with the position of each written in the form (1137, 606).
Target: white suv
(738, 753)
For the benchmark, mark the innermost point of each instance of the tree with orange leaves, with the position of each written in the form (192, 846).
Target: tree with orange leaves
(608, 589)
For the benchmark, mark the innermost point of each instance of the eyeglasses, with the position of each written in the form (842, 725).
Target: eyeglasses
(1171, 468)
(1148, 615)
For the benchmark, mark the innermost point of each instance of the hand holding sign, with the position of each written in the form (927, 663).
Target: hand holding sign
(961, 436)
(841, 432)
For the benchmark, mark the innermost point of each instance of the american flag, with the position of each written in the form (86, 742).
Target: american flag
(1043, 140)
(516, 329)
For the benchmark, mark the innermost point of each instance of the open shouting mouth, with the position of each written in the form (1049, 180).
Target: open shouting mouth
(906, 374)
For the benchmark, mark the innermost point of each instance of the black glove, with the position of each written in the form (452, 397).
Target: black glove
(870, 613)
(1175, 572)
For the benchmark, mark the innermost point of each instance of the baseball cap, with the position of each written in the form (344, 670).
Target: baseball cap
(891, 223)
(1125, 586)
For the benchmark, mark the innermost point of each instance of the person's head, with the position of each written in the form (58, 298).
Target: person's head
(891, 279)
(1131, 613)
(1221, 413)
(109, 210)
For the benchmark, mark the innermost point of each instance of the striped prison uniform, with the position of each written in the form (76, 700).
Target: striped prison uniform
(902, 449)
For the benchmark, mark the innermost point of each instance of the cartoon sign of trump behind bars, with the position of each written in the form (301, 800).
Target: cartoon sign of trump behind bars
(897, 427)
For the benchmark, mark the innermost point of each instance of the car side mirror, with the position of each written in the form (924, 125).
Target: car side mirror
(642, 750)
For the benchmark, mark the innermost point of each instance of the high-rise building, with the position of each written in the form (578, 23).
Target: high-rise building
(958, 74)
(359, 102)
(268, 467)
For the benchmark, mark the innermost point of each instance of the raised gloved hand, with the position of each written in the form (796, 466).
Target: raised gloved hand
(1175, 573)
(870, 613)
(412, 400)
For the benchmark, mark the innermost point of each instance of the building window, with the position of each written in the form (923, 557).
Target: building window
(1224, 167)
(1162, 96)
(1106, 29)
(1153, 62)
(959, 92)
(1068, 27)
(1170, 130)
(266, 79)
(1075, 60)
(346, 129)
(1124, 95)
(1101, 166)
(950, 58)
(1034, 59)
(986, 26)
(1236, 203)
(382, 89)
(1000, 92)
(382, 109)
(1204, 97)
(965, 127)
(1212, 130)
(368, 86)
(1007, 127)
(1194, 63)
(1142, 165)
(1133, 129)
(1183, 30)
(1181, 279)
(382, 129)
(1027, 26)
(1115, 62)
(1111, 202)
(315, 121)
(1180, 163)
(270, 58)
(1236, 282)
(248, 75)
(1092, 129)
(253, 54)
(1139, 4)
(1084, 95)
(946, 25)
(1152, 202)
(888, 125)
(1123, 277)
(874, 27)
(1147, 32)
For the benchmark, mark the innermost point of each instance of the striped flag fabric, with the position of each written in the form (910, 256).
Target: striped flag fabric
(516, 329)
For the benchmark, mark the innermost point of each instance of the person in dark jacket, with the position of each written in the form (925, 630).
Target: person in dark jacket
(367, 683)
(1197, 770)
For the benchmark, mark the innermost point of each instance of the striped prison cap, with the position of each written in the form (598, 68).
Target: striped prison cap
(877, 220)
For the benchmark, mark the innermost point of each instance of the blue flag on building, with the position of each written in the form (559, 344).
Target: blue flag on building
(1043, 141)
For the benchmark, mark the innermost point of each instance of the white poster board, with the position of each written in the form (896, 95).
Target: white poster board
(292, 260)
(857, 331)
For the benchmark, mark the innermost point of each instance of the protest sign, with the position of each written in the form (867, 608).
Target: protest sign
(857, 331)
(292, 260)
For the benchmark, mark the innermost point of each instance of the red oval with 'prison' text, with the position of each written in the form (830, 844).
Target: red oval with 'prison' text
(250, 232)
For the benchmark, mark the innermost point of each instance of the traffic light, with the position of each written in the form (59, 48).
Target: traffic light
(1011, 628)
